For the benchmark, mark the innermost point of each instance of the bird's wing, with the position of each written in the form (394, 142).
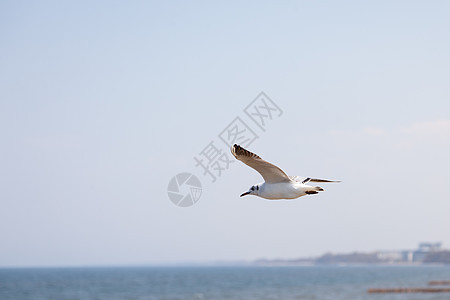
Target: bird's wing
(269, 172)
(309, 179)
(322, 180)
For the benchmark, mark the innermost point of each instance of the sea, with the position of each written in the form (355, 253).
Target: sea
(225, 282)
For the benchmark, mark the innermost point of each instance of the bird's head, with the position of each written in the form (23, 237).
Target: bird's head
(253, 190)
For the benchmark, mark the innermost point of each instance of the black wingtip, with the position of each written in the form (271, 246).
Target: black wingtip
(306, 180)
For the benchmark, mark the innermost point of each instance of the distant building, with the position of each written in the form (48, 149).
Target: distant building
(409, 256)
(427, 247)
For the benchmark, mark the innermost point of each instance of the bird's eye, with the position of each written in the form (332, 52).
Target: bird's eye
(253, 188)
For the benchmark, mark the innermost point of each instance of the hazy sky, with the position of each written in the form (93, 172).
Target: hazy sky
(102, 103)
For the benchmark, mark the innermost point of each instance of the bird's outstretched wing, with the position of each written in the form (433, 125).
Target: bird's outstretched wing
(308, 179)
(270, 172)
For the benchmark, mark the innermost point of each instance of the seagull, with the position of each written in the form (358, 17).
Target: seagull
(277, 184)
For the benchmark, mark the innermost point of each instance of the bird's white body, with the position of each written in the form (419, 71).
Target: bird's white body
(277, 184)
(284, 190)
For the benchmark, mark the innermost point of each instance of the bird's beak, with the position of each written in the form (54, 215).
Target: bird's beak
(243, 194)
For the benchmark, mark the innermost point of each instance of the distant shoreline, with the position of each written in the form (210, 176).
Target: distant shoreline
(221, 265)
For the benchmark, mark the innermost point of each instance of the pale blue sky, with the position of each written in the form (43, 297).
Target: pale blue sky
(102, 103)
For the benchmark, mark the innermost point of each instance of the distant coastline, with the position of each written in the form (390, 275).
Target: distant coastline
(426, 253)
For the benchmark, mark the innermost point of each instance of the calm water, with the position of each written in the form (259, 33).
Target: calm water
(217, 283)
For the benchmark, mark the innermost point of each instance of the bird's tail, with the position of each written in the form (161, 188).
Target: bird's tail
(314, 190)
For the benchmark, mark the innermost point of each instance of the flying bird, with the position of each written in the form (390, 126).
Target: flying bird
(277, 184)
